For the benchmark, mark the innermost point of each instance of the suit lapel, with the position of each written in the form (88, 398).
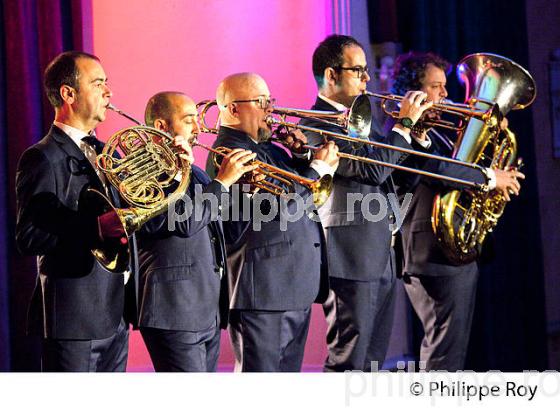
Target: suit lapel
(78, 163)
(66, 143)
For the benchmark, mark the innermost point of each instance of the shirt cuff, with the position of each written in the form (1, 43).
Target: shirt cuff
(322, 168)
(426, 144)
(305, 155)
(126, 276)
(222, 184)
(491, 178)
(178, 176)
(403, 134)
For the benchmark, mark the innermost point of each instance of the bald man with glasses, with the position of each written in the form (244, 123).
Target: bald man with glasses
(275, 272)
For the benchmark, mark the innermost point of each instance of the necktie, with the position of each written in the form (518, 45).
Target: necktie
(94, 147)
(93, 142)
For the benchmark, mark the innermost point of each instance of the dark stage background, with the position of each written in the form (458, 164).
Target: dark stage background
(510, 330)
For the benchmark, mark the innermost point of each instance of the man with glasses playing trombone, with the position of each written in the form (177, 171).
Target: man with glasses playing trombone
(362, 266)
(359, 309)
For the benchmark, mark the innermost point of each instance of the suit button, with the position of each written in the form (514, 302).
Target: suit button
(316, 244)
(213, 239)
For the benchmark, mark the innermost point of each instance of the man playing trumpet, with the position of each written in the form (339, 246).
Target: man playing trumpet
(275, 273)
(182, 287)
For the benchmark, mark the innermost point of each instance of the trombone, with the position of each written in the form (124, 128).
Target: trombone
(357, 121)
(321, 188)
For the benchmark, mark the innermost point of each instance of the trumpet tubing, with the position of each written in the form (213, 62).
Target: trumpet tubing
(321, 188)
(204, 107)
(463, 111)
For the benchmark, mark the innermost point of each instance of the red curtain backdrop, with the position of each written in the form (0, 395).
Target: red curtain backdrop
(33, 32)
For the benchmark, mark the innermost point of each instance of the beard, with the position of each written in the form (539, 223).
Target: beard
(263, 134)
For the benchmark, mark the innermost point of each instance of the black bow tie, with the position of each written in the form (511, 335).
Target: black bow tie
(93, 142)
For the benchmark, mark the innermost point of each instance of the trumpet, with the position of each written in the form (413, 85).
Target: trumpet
(463, 111)
(356, 121)
(320, 189)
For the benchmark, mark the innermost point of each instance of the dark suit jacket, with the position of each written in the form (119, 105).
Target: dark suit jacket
(270, 269)
(422, 254)
(75, 297)
(180, 264)
(357, 248)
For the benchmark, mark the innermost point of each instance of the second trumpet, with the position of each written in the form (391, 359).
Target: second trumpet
(321, 188)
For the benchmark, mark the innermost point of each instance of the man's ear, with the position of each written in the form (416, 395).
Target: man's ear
(161, 125)
(233, 110)
(68, 94)
(330, 76)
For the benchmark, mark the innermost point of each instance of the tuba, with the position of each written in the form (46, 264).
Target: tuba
(462, 219)
(141, 163)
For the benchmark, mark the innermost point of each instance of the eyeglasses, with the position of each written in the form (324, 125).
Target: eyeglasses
(359, 70)
(264, 102)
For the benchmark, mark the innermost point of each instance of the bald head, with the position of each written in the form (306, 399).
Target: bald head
(240, 108)
(162, 105)
(240, 86)
(173, 112)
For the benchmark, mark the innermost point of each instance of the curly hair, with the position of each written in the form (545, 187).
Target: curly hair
(410, 69)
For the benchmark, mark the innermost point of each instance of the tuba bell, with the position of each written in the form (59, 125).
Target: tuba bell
(462, 219)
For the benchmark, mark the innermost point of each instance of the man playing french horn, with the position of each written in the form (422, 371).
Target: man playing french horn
(78, 307)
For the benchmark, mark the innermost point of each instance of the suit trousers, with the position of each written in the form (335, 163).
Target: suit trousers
(269, 341)
(359, 321)
(183, 351)
(102, 355)
(445, 306)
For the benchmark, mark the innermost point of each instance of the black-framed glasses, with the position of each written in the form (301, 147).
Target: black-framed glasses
(359, 70)
(264, 102)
